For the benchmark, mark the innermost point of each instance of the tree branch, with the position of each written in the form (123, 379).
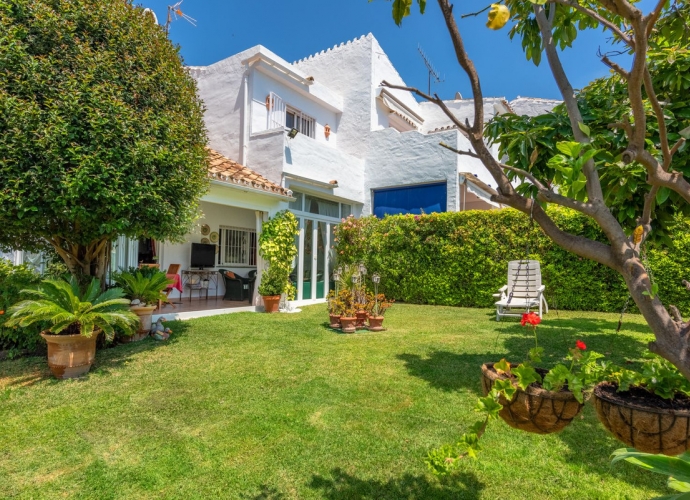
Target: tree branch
(436, 100)
(594, 191)
(601, 20)
(615, 66)
(466, 64)
(653, 17)
(458, 151)
(661, 121)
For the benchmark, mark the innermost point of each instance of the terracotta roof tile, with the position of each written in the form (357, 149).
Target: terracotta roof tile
(225, 170)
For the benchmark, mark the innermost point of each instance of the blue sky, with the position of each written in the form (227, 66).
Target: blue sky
(296, 29)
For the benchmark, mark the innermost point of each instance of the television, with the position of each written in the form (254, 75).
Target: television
(203, 255)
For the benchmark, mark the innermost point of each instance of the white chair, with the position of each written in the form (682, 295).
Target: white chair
(523, 292)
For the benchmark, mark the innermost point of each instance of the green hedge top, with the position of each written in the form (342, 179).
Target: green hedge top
(461, 259)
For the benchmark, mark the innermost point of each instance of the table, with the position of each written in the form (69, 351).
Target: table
(201, 280)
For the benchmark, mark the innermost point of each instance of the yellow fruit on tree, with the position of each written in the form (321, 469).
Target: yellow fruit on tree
(498, 16)
(637, 234)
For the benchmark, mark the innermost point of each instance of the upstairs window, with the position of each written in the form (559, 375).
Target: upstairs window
(305, 124)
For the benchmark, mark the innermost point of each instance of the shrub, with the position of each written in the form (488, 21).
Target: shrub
(14, 279)
(461, 259)
(277, 248)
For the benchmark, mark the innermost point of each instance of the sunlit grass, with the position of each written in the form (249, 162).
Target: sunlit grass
(279, 406)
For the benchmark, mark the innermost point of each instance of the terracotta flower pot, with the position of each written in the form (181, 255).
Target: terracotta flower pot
(361, 318)
(642, 420)
(271, 303)
(70, 356)
(349, 325)
(145, 314)
(334, 320)
(534, 410)
(375, 323)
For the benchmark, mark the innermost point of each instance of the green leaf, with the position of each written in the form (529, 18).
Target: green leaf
(677, 467)
(556, 378)
(502, 367)
(401, 9)
(505, 387)
(662, 195)
(584, 128)
(678, 485)
(685, 133)
(526, 375)
(569, 148)
(489, 406)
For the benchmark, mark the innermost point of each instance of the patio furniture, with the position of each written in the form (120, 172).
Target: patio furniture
(172, 274)
(201, 280)
(524, 290)
(237, 287)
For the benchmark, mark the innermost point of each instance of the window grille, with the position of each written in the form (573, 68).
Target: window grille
(238, 246)
(276, 112)
(305, 124)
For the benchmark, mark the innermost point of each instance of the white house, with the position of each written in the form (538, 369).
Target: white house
(322, 137)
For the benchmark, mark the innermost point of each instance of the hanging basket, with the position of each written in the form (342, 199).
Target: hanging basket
(534, 410)
(644, 421)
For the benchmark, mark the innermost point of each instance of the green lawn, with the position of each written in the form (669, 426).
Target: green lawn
(280, 407)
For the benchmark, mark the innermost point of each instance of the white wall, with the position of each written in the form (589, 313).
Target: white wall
(266, 154)
(263, 84)
(307, 158)
(220, 87)
(346, 70)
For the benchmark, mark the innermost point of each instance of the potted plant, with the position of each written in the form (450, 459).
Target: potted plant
(649, 409)
(348, 309)
(335, 310)
(378, 305)
(76, 319)
(144, 293)
(271, 287)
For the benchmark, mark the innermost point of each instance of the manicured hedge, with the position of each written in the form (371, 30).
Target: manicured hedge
(461, 259)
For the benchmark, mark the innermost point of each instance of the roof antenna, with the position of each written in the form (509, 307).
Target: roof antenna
(174, 12)
(430, 68)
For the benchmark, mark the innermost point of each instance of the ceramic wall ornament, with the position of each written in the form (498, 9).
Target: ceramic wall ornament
(327, 131)
(205, 229)
(205, 241)
(213, 237)
(268, 102)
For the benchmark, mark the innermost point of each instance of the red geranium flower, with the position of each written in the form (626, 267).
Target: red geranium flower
(580, 345)
(531, 319)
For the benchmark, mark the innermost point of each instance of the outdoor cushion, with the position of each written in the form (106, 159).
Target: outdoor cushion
(230, 275)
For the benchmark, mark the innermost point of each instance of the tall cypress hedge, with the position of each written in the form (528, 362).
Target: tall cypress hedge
(461, 259)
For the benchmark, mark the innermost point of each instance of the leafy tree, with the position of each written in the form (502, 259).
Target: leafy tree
(602, 103)
(101, 130)
(582, 174)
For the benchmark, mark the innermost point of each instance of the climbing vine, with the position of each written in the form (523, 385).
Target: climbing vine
(277, 247)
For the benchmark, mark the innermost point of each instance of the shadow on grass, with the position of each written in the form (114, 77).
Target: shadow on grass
(447, 371)
(343, 486)
(265, 493)
(27, 371)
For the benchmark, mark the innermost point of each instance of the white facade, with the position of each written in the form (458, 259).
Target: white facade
(355, 138)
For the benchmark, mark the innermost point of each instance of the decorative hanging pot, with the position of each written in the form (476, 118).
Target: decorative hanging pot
(643, 420)
(535, 409)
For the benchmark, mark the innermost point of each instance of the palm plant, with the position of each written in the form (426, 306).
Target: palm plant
(146, 289)
(62, 304)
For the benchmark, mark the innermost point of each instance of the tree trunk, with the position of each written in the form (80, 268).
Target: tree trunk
(84, 261)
